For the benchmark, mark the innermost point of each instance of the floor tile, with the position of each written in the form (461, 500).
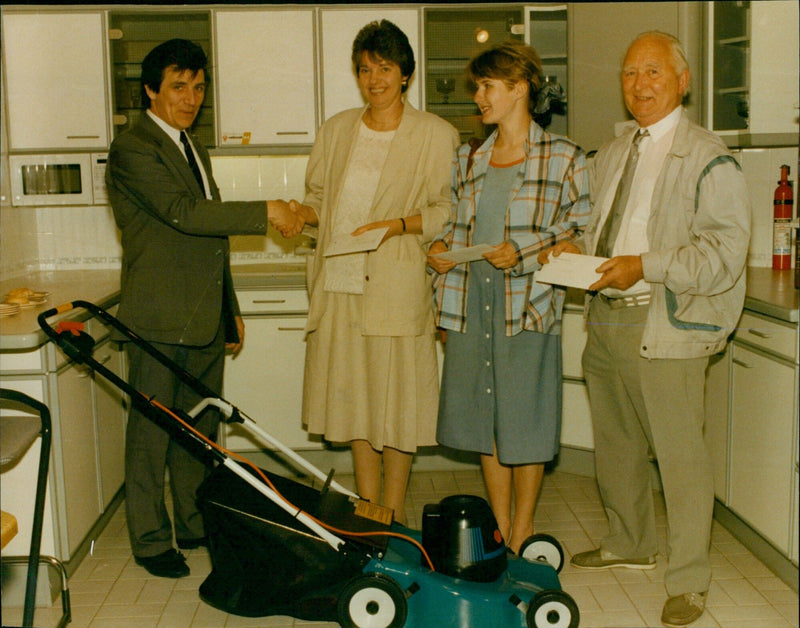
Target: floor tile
(109, 590)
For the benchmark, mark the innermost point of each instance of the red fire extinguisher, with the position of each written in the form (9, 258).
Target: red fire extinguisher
(781, 222)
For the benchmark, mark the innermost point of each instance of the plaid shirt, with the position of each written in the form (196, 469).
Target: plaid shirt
(549, 203)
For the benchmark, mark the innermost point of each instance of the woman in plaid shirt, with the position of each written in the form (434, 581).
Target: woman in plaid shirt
(521, 191)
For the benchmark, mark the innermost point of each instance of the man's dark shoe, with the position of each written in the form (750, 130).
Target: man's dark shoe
(190, 544)
(169, 564)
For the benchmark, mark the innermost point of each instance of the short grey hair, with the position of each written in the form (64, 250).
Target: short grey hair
(677, 52)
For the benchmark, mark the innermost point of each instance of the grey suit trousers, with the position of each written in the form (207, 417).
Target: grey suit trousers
(150, 450)
(636, 402)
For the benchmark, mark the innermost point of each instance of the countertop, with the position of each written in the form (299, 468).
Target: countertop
(22, 332)
(769, 292)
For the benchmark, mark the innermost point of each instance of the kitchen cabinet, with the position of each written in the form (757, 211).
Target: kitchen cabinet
(110, 414)
(132, 34)
(763, 426)
(87, 464)
(55, 80)
(752, 68)
(453, 35)
(599, 35)
(576, 416)
(265, 380)
(338, 28)
(275, 102)
(546, 31)
(72, 399)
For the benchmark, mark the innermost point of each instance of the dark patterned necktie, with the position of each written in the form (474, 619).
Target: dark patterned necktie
(605, 243)
(192, 161)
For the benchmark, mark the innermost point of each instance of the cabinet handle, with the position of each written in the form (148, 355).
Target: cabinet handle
(269, 301)
(758, 333)
(291, 328)
(292, 133)
(742, 363)
(83, 137)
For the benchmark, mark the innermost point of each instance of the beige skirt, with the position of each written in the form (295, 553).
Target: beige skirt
(383, 389)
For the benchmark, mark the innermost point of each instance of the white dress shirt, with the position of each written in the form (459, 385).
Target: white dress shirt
(632, 236)
(175, 135)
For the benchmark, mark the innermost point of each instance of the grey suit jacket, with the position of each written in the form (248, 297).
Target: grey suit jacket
(176, 277)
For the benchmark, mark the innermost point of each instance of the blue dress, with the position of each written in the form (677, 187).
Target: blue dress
(497, 388)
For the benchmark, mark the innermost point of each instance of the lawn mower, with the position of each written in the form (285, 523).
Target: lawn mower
(282, 547)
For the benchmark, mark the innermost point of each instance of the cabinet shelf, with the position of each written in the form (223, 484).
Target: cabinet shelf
(743, 40)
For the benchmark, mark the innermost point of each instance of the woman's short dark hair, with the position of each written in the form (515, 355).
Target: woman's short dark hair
(385, 40)
(509, 62)
(181, 54)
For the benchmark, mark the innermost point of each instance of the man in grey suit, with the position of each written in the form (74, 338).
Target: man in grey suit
(176, 291)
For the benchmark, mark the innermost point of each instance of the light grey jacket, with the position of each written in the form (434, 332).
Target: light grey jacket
(699, 230)
(415, 180)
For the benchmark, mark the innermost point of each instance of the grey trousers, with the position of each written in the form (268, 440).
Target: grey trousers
(149, 450)
(636, 402)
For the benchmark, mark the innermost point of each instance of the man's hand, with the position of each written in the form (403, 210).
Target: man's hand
(619, 272)
(437, 263)
(235, 347)
(286, 221)
(565, 246)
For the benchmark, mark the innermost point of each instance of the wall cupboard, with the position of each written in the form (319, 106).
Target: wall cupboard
(279, 72)
(752, 68)
(338, 28)
(55, 80)
(266, 76)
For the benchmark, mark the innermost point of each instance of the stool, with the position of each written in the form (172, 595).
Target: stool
(18, 434)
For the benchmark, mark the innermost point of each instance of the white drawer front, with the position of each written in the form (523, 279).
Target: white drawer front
(272, 301)
(772, 336)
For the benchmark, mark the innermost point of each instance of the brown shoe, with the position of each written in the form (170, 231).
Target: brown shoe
(600, 559)
(682, 610)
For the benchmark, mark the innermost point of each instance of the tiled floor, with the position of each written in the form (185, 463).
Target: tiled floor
(109, 590)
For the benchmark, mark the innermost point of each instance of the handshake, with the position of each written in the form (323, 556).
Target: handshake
(290, 217)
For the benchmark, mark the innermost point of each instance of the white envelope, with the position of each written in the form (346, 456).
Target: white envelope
(344, 244)
(467, 254)
(570, 269)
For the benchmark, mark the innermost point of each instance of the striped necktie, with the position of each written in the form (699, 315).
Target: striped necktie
(605, 243)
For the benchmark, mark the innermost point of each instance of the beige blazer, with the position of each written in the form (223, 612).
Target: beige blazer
(415, 180)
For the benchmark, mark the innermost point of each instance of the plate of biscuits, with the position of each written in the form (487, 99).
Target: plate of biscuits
(21, 298)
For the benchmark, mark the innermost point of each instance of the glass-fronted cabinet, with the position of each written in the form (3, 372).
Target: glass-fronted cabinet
(730, 99)
(132, 35)
(546, 31)
(752, 65)
(453, 35)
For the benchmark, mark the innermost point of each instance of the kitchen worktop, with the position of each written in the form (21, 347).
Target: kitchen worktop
(769, 292)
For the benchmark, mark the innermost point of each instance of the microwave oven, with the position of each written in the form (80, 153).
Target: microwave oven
(62, 179)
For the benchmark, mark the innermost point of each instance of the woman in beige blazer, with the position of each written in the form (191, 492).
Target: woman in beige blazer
(371, 375)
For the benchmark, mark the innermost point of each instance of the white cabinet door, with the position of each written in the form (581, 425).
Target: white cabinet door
(576, 415)
(76, 448)
(56, 80)
(774, 67)
(265, 381)
(761, 446)
(339, 28)
(265, 72)
(110, 414)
